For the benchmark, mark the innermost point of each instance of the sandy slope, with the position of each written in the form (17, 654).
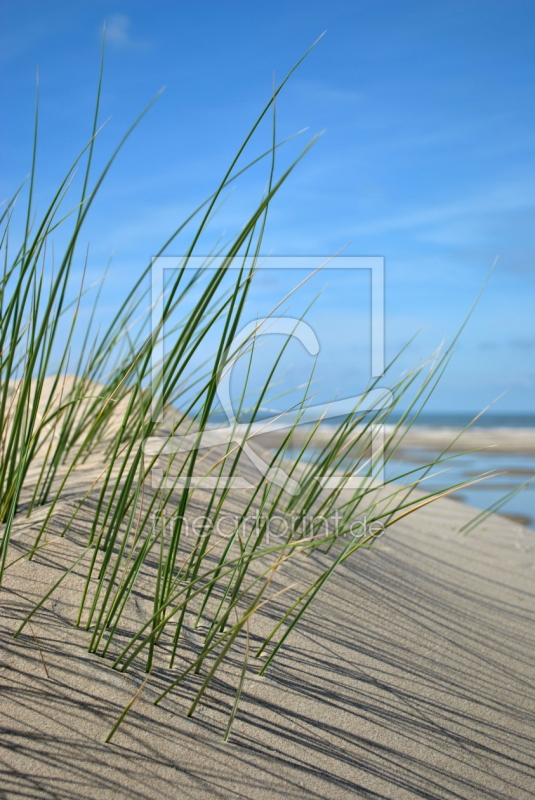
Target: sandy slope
(412, 676)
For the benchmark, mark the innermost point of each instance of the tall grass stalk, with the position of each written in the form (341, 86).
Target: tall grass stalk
(57, 411)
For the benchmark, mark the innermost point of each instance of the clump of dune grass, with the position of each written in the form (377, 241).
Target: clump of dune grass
(58, 409)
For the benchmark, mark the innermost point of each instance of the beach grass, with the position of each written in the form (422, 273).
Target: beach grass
(71, 392)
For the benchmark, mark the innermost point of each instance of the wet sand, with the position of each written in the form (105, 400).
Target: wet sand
(502, 440)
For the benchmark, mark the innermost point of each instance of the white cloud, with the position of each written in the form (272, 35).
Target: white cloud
(324, 91)
(499, 199)
(118, 33)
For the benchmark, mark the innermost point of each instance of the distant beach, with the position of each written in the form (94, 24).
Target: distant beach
(501, 443)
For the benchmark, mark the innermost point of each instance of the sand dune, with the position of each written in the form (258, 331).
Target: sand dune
(411, 677)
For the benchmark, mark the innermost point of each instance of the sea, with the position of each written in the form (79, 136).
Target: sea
(516, 484)
(513, 490)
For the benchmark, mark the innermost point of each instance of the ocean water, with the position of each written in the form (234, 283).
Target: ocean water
(516, 470)
(431, 419)
(445, 419)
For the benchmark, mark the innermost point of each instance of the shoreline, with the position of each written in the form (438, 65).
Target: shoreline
(500, 440)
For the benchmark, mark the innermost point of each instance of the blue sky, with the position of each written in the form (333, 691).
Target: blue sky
(428, 155)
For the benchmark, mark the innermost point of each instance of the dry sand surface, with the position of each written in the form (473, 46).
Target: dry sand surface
(412, 676)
